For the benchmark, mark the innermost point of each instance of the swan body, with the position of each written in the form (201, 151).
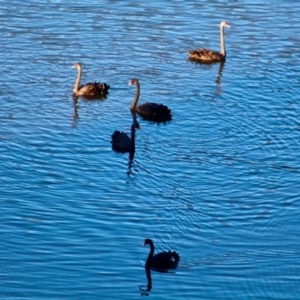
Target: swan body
(161, 261)
(207, 55)
(90, 89)
(121, 142)
(149, 110)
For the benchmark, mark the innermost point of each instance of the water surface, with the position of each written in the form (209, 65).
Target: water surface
(218, 184)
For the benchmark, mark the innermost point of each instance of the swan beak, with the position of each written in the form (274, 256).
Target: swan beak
(130, 82)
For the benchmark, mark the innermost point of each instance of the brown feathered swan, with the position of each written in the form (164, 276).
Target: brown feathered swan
(90, 89)
(207, 55)
(149, 110)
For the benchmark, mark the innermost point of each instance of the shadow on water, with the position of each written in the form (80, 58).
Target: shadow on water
(121, 143)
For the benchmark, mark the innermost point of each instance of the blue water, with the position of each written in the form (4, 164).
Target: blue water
(219, 183)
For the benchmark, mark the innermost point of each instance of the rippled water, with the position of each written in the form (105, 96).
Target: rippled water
(218, 184)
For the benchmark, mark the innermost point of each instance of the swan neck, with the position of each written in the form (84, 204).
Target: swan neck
(137, 95)
(77, 81)
(222, 40)
(149, 259)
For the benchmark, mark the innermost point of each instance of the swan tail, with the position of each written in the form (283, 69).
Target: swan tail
(103, 87)
(175, 256)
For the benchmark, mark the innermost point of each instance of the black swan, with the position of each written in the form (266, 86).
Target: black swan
(121, 142)
(161, 261)
(90, 89)
(150, 111)
(207, 55)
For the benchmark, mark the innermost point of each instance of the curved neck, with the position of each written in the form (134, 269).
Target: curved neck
(137, 95)
(222, 40)
(77, 81)
(149, 259)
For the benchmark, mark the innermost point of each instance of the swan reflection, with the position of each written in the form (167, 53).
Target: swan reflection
(75, 114)
(145, 289)
(122, 143)
(76, 105)
(219, 77)
(209, 66)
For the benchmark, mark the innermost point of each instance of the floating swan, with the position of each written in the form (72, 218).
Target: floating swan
(207, 55)
(148, 110)
(161, 261)
(88, 89)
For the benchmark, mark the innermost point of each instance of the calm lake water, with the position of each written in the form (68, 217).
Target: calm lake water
(219, 183)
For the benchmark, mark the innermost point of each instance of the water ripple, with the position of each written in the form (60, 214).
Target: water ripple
(218, 183)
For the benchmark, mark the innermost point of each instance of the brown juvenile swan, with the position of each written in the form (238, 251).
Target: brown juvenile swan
(121, 142)
(161, 261)
(89, 89)
(148, 110)
(207, 55)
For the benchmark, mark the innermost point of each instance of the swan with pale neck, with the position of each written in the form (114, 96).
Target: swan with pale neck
(207, 55)
(149, 110)
(90, 89)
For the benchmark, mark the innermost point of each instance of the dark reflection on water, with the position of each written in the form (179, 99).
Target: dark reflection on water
(121, 146)
(220, 73)
(132, 150)
(146, 289)
(76, 108)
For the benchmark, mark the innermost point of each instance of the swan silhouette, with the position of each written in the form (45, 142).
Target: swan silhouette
(149, 110)
(121, 142)
(161, 261)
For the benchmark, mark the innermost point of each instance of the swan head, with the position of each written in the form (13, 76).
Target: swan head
(133, 81)
(225, 24)
(148, 242)
(77, 66)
